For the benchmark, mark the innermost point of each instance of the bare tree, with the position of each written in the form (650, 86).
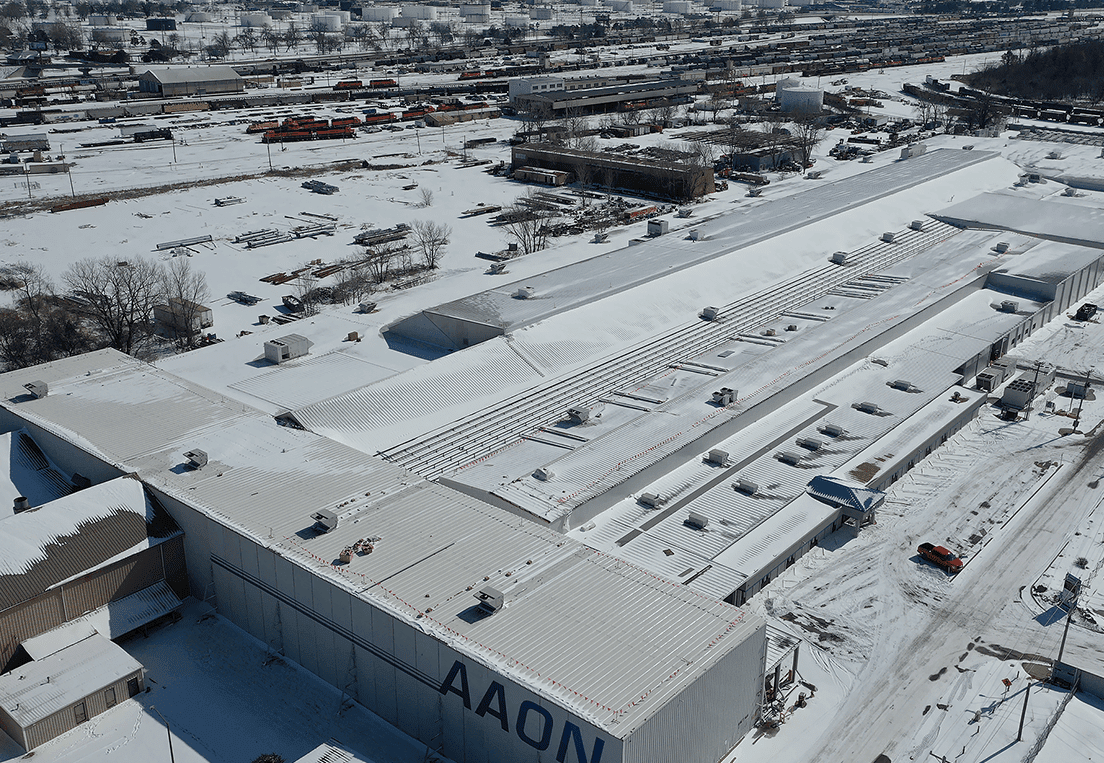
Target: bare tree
(271, 38)
(809, 133)
(431, 239)
(528, 225)
(117, 298)
(292, 36)
(35, 289)
(185, 292)
(352, 283)
(426, 198)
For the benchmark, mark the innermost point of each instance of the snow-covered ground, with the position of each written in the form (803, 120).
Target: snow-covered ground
(225, 700)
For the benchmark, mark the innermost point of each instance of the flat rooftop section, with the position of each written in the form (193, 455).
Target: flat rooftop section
(436, 546)
(41, 688)
(1056, 220)
(568, 287)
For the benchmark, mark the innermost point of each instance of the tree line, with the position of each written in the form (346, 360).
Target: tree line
(102, 303)
(1066, 72)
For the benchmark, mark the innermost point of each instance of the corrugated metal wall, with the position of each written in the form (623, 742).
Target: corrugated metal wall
(95, 703)
(11, 728)
(706, 720)
(391, 668)
(92, 591)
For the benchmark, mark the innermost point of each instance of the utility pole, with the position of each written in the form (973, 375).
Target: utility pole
(1084, 394)
(154, 709)
(1023, 713)
(1069, 595)
(269, 147)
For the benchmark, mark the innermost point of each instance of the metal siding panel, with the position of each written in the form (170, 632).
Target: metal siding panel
(29, 619)
(174, 564)
(289, 620)
(324, 641)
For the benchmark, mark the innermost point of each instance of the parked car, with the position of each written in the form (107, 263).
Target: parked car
(940, 556)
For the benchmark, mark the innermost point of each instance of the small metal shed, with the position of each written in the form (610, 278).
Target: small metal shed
(45, 698)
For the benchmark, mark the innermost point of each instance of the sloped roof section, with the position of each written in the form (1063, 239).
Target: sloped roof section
(65, 538)
(838, 492)
(25, 471)
(191, 74)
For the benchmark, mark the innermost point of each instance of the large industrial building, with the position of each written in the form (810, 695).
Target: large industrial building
(174, 82)
(535, 546)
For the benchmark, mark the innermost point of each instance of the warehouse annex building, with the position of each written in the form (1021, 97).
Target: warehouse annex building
(477, 632)
(174, 82)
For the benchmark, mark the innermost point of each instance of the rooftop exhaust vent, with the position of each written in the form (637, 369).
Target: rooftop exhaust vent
(810, 443)
(579, 414)
(904, 385)
(868, 407)
(1001, 247)
(838, 258)
(490, 600)
(718, 457)
(789, 457)
(197, 459)
(324, 520)
(39, 389)
(832, 430)
(651, 500)
(888, 237)
(697, 521)
(543, 474)
(711, 313)
(1009, 306)
(525, 292)
(21, 504)
(745, 486)
(916, 225)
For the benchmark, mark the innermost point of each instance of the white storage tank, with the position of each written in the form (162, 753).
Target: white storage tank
(621, 6)
(475, 13)
(682, 7)
(259, 20)
(325, 22)
(517, 22)
(378, 12)
(797, 98)
(544, 13)
(102, 20)
(199, 17)
(726, 5)
(421, 12)
(777, 4)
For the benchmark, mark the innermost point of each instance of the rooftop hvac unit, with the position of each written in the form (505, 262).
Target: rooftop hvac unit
(685, 211)
(1001, 247)
(838, 258)
(657, 227)
(867, 407)
(745, 486)
(21, 504)
(490, 600)
(697, 521)
(543, 474)
(718, 457)
(1070, 191)
(902, 384)
(324, 520)
(601, 237)
(578, 415)
(832, 430)
(711, 313)
(197, 459)
(916, 225)
(695, 235)
(37, 388)
(651, 500)
(789, 457)
(724, 396)
(525, 292)
(366, 307)
(888, 237)
(810, 443)
(1010, 306)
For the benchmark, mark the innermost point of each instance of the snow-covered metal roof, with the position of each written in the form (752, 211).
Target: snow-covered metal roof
(565, 603)
(193, 74)
(25, 471)
(41, 688)
(74, 534)
(571, 286)
(1055, 220)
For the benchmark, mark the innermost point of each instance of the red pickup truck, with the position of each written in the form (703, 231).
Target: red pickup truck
(940, 556)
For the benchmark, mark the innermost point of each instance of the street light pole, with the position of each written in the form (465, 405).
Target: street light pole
(154, 709)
